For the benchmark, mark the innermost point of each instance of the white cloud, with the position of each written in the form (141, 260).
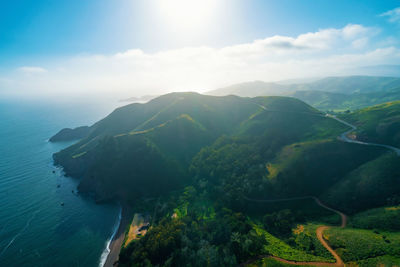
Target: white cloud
(32, 69)
(393, 15)
(136, 72)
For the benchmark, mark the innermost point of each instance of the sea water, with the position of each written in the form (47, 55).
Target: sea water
(35, 229)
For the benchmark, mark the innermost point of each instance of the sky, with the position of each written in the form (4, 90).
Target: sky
(123, 48)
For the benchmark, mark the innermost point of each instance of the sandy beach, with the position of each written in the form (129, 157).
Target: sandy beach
(118, 239)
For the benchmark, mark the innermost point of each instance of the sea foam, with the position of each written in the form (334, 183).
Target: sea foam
(106, 252)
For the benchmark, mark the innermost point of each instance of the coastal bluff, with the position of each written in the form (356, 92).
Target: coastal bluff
(68, 134)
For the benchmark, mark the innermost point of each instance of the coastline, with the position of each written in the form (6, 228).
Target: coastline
(117, 239)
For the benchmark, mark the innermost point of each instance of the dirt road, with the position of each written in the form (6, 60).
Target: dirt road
(319, 232)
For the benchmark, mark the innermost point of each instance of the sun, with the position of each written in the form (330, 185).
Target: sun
(187, 14)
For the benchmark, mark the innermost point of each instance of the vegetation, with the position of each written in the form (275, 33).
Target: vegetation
(373, 184)
(379, 124)
(385, 218)
(304, 238)
(358, 245)
(197, 237)
(199, 165)
(68, 134)
(276, 247)
(270, 262)
(386, 261)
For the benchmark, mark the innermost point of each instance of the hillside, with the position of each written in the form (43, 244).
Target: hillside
(279, 145)
(379, 124)
(201, 166)
(169, 131)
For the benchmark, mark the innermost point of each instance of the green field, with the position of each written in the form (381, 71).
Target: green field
(278, 248)
(357, 244)
(269, 262)
(385, 218)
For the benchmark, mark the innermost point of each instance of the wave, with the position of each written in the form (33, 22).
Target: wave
(19, 233)
(106, 251)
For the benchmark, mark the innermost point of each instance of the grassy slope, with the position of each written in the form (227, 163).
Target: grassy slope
(384, 218)
(309, 168)
(169, 131)
(380, 123)
(357, 244)
(277, 247)
(369, 185)
(268, 262)
(145, 150)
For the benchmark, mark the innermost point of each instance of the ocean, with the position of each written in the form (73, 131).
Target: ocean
(35, 229)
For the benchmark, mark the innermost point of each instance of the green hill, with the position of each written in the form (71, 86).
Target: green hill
(282, 145)
(198, 164)
(378, 124)
(168, 130)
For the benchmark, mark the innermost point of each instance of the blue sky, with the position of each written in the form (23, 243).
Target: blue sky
(57, 28)
(48, 34)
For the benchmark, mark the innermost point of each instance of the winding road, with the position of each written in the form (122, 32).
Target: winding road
(344, 136)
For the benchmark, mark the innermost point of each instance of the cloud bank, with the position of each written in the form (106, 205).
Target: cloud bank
(333, 51)
(393, 15)
(32, 70)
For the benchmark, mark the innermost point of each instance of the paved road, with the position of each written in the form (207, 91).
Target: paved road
(344, 136)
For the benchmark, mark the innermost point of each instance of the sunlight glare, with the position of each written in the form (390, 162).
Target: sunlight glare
(188, 14)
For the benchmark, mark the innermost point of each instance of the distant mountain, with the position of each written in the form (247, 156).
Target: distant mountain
(352, 84)
(342, 102)
(140, 99)
(332, 93)
(380, 70)
(251, 89)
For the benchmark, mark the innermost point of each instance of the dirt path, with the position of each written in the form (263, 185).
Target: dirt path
(319, 232)
(320, 235)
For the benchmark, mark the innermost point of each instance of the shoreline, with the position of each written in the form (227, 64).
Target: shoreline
(118, 237)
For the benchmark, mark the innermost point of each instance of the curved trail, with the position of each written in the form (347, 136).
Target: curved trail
(319, 232)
